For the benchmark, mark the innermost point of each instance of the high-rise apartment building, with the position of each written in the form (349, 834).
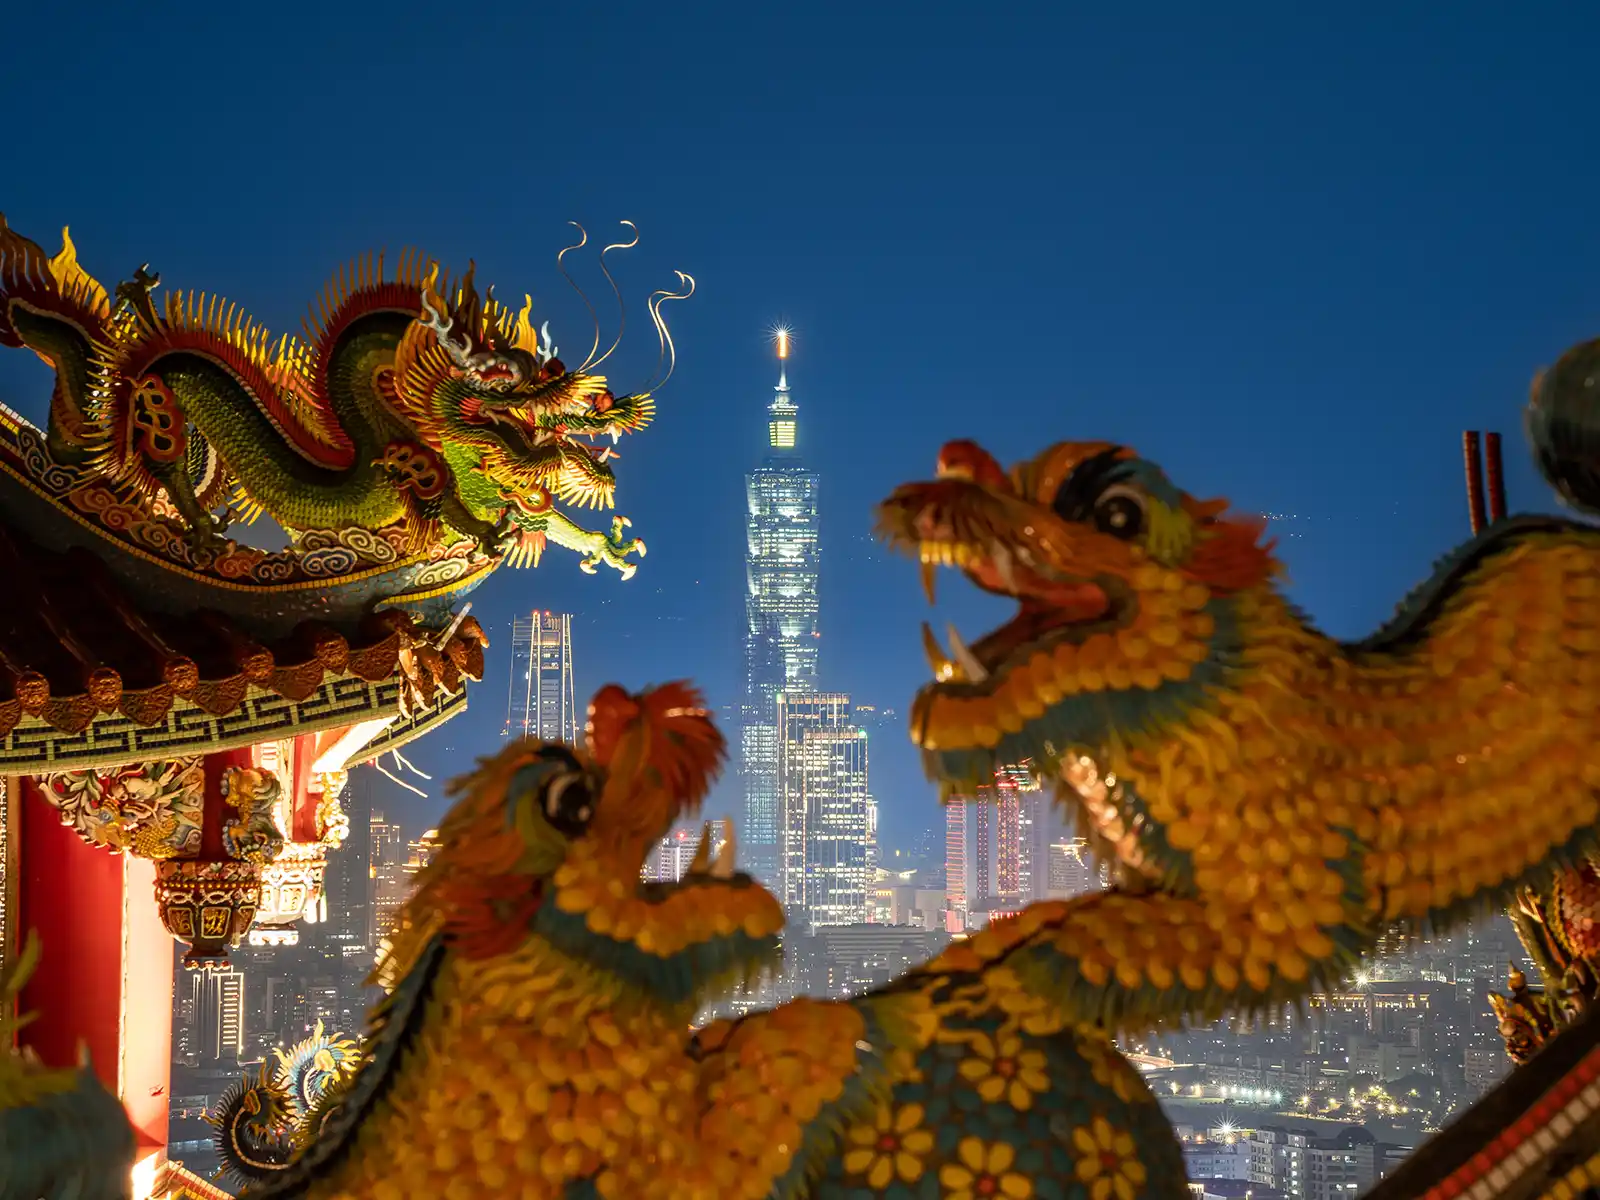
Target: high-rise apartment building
(344, 940)
(996, 849)
(956, 837)
(781, 631)
(825, 821)
(540, 702)
(671, 858)
(390, 882)
(669, 862)
(1071, 871)
(972, 863)
(418, 855)
(219, 1016)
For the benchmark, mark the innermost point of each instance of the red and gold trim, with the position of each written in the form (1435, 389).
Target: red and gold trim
(55, 286)
(209, 327)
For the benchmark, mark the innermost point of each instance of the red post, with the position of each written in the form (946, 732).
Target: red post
(71, 895)
(1494, 471)
(146, 1073)
(1475, 504)
(305, 805)
(104, 980)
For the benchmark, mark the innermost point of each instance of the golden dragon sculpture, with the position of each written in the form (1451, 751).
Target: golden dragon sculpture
(1273, 799)
(537, 1040)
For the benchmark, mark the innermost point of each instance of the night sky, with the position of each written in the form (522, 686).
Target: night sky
(1289, 256)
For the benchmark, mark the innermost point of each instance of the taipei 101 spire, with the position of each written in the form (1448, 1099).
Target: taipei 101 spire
(781, 427)
(781, 626)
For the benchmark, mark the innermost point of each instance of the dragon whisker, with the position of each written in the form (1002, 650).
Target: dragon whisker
(669, 352)
(594, 317)
(622, 311)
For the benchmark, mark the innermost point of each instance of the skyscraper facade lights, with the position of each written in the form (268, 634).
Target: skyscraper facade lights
(781, 626)
(826, 824)
(541, 700)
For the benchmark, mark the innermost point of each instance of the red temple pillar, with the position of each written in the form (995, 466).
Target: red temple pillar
(71, 896)
(104, 979)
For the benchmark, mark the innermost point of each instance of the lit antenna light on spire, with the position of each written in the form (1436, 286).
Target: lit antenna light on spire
(780, 337)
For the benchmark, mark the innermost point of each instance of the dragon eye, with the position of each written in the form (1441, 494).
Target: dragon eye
(1120, 512)
(569, 803)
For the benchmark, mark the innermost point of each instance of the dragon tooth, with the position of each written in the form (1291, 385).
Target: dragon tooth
(1004, 565)
(937, 658)
(929, 570)
(702, 854)
(966, 659)
(722, 865)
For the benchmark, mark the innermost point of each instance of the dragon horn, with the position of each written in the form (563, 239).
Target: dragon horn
(491, 325)
(446, 324)
(468, 310)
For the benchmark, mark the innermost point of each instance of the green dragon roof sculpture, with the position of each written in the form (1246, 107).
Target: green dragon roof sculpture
(417, 436)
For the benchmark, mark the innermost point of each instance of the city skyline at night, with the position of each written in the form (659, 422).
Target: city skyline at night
(782, 563)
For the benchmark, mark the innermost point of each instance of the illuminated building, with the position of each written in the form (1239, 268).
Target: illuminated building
(781, 633)
(540, 702)
(346, 937)
(826, 824)
(955, 866)
(1010, 785)
(672, 856)
(419, 854)
(1072, 872)
(991, 845)
(390, 882)
(218, 1007)
(872, 838)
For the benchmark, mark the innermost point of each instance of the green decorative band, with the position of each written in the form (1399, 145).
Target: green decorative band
(113, 739)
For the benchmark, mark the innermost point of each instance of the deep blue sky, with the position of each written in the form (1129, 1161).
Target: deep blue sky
(1289, 255)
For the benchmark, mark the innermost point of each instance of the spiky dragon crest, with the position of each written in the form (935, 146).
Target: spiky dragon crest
(408, 405)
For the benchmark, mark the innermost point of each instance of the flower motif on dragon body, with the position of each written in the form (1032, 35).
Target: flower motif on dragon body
(1001, 1068)
(984, 1170)
(892, 1146)
(1107, 1162)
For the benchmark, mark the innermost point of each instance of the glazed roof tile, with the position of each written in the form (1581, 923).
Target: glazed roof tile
(74, 645)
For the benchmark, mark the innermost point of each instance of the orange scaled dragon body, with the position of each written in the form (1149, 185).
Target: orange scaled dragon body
(1273, 799)
(536, 1042)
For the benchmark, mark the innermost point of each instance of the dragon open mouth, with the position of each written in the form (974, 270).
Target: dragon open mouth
(1050, 608)
(1067, 587)
(714, 862)
(954, 522)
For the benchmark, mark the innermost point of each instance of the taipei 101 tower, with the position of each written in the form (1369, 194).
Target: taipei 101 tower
(781, 634)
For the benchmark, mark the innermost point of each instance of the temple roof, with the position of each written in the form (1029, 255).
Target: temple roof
(174, 1181)
(75, 649)
(1540, 1127)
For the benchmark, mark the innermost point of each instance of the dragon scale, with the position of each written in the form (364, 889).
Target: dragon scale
(410, 405)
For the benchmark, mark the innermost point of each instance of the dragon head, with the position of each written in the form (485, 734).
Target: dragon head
(545, 848)
(479, 379)
(1123, 586)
